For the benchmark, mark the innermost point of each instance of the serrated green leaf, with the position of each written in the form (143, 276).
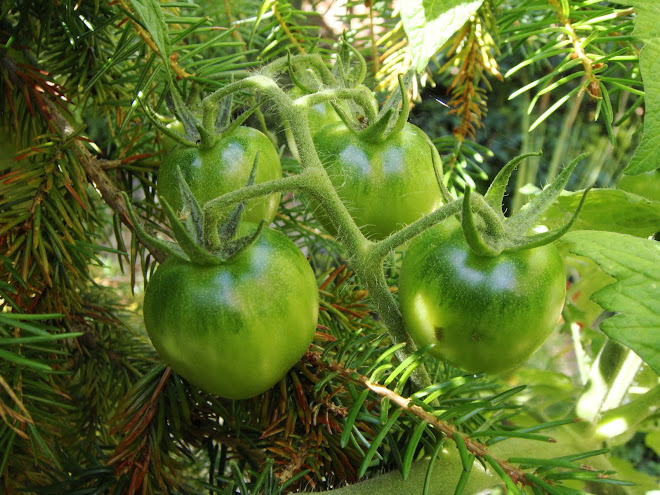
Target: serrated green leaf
(652, 441)
(646, 157)
(647, 185)
(430, 23)
(635, 296)
(607, 209)
(151, 15)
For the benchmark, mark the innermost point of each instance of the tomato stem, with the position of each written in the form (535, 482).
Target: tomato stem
(215, 210)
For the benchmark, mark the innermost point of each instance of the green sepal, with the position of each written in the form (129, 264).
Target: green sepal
(169, 248)
(471, 232)
(345, 53)
(544, 238)
(228, 228)
(195, 220)
(401, 99)
(439, 176)
(196, 253)
(523, 220)
(233, 247)
(180, 109)
(239, 120)
(158, 123)
(495, 194)
(386, 125)
(345, 117)
(376, 131)
(224, 111)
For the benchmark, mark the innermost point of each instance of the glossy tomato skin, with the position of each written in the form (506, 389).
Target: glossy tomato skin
(484, 314)
(225, 167)
(235, 329)
(385, 185)
(321, 115)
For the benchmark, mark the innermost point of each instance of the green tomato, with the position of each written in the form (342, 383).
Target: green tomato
(234, 329)
(225, 167)
(385, 185)
(168, 142)
(484, 314)
(319, 115)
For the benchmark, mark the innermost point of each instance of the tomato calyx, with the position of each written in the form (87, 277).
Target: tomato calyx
(191, 238)
(195, 134)
(491, 233)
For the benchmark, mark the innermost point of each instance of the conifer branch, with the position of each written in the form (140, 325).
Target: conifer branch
(593, 87)
(287, 31)
(95, 170)
(150, 43)
(476, 448)
(472, 49)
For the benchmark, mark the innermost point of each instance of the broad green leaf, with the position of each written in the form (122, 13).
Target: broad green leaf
(635, 296)
(430, 23)
(581, 306)
(647, 185)
(607, 209)
(652, 441)
(151, 16)
(444, 477)
(647, 21)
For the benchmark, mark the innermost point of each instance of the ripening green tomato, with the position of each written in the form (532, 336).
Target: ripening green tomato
(385, 185)
(225, 167)
(234, 329)
(168, 142)
(319, 115)
(484, 314)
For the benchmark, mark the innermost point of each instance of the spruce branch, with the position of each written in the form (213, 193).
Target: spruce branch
(95, 169)
(135, 453)
(282, 23)
(477, 449)
(144, 34)
(471, 52)
(593, 86)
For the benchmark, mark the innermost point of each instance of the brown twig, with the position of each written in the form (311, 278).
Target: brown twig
(95, 170)
(593, 86)
(476, 448)
(287, 31)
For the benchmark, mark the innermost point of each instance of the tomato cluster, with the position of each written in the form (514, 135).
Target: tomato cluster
(235, 327)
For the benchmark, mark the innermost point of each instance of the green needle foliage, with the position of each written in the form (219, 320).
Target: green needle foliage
(87, 406)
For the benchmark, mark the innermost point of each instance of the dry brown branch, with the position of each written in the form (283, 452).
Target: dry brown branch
(476, 448)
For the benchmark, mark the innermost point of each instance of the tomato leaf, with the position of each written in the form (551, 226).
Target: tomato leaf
(429, 24)
(647, 185)
(635, 296)
(151, 15)
(607, 209)
(646, 157)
